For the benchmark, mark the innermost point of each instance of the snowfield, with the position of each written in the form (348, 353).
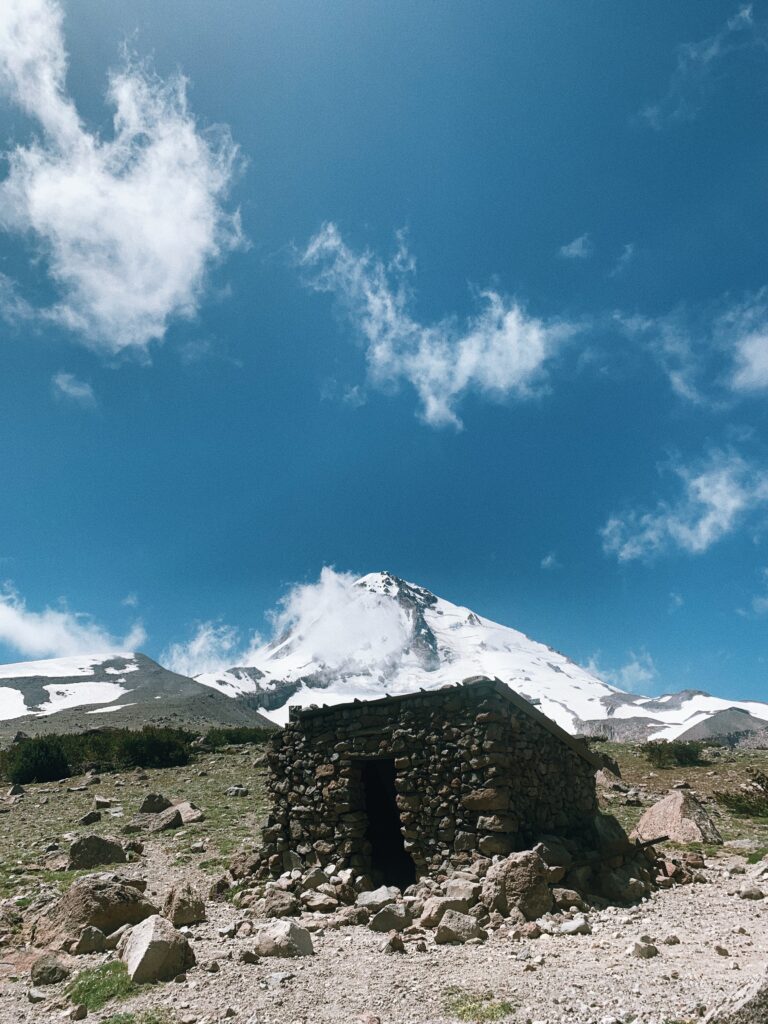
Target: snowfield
(66, 668)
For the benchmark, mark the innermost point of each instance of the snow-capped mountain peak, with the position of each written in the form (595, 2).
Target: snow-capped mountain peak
(359, 639)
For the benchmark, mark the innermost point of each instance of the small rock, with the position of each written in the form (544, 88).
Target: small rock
(751, 892)
(282, 938)
(394, 917)
(90, 818)
(393, 944)
(458, 927)
(34, 995)
(154, 803)
(643, 950)
(79, 1012)
(578, 926)
(48, 970)
(236, 791)
(92, 940)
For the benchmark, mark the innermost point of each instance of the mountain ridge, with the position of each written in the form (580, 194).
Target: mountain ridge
(378, 635)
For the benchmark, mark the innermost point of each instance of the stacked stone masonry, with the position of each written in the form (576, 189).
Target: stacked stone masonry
(478, 771)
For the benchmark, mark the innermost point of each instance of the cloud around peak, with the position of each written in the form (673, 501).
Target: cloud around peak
(127, 226)
(499, 352)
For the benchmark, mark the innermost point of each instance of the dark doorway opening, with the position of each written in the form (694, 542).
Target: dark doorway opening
(389, 861)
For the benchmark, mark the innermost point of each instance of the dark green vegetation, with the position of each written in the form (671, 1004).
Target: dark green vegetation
(751, 798)
(58, 756)
(95, 986)
(673, 753)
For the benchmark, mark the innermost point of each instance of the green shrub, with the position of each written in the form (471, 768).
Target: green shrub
(46, 758)
(95, 986)
(672, 753)
(475, 1009)
(41, 759)
(221, 737)
(751, 799)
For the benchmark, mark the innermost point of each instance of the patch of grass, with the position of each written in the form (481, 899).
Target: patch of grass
(474, 1008)
(757, 855)
(95, 986)
(121, 1018)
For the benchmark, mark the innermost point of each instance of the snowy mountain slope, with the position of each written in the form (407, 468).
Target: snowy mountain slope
(75, 692)
(404, 638)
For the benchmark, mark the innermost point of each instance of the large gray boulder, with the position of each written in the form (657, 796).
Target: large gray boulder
(93, 901)
(282, 938)
(155, 951)
(748, 1006)
(679, 816)
(519, 881)
(91, 851)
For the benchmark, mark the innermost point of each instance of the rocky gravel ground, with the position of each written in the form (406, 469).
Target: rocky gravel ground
(709, 940)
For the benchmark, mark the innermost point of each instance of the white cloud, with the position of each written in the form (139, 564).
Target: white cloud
(580, 248)
(127, 226)
(68, 386)
(694, 77)
(57, 632)
(676, 601)
(340, 626)
(501, 351)
(716, 496)
(549, 561)
(343, 625)
(635, 676)
(751, 358)
(213, 648)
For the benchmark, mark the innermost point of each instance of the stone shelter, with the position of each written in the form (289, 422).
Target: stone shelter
(414, 784)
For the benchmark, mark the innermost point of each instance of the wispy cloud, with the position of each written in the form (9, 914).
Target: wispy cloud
(715, 497)
(635, 676)
(623, 260)
(580, 248)
(550, 561)
(71, 388)
(501, 351)
(127, 226)
(697, 67)
(57, 632)
(713, 354)
(213, 647)
(676, 601)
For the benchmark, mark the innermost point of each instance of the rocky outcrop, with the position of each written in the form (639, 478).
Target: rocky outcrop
(680, 816)
(155, 951)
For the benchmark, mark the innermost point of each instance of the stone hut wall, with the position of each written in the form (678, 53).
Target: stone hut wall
(475, 775)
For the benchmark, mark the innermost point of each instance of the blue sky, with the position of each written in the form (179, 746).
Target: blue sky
(475, 293)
